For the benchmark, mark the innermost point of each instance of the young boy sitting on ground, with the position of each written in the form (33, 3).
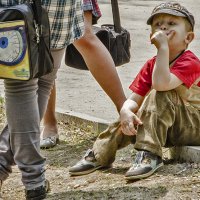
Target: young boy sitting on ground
(164, 108)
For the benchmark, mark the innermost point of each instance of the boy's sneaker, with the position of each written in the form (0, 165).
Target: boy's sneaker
(38, 193)
(145, 165)
(86, 165)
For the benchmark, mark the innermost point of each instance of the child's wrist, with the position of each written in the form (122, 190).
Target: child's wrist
(130, 104)
(163, 47)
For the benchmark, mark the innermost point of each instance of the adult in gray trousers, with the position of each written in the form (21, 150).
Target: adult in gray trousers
(26, 102)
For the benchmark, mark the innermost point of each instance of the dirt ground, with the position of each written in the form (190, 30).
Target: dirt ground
(173, 182)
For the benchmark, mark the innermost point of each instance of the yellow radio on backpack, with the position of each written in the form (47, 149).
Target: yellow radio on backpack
(14, 61)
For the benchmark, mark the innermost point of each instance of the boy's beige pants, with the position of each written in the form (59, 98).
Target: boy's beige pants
(167, 122)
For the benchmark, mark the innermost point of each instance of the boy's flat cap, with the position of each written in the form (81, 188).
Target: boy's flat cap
(172, 8)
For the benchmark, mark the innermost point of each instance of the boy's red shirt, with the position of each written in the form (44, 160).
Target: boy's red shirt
(186, 68)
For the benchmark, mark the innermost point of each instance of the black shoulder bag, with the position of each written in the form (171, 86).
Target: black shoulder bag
(115, 38)
(25, 41)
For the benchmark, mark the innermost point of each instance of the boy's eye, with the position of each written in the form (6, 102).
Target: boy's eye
(171, 23)
(158, 24)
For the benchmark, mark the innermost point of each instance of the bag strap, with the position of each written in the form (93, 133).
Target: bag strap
(41, 43)
(116, 16)
(38, 11)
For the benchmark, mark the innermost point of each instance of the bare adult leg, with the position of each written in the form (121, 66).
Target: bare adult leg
(102, 68)
(50, 132)
(100, 64)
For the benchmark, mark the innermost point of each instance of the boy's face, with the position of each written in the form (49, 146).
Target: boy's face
(172, 24)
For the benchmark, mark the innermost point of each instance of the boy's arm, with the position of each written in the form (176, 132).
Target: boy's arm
(128, 115)
(162, 78)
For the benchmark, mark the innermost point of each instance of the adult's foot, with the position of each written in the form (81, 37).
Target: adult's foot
(50, 137)
(38, 193)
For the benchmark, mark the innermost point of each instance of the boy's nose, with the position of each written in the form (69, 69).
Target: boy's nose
(163, 27)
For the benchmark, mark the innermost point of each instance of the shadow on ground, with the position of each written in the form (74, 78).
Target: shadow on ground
(115, 193)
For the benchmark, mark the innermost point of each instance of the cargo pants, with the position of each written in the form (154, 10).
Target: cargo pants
(167, 121)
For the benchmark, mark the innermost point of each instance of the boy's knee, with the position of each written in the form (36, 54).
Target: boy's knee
(157, 101)
(162, 96)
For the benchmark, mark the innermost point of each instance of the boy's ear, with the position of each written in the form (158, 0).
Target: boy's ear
(189, 37)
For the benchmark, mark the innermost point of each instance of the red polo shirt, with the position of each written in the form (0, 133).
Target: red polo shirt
(186, 68)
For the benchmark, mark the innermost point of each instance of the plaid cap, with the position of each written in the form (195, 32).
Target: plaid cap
(172, 8)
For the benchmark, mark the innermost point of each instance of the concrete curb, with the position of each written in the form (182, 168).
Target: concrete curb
(187, 153)
(97, 125)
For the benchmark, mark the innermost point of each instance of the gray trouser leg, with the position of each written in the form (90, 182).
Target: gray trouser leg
(26, 103)
(5, 150)
(23, 117)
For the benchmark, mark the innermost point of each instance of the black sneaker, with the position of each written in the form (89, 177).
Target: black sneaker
(86, 165)
(38, 193)
(145, 165)
(0, 189)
